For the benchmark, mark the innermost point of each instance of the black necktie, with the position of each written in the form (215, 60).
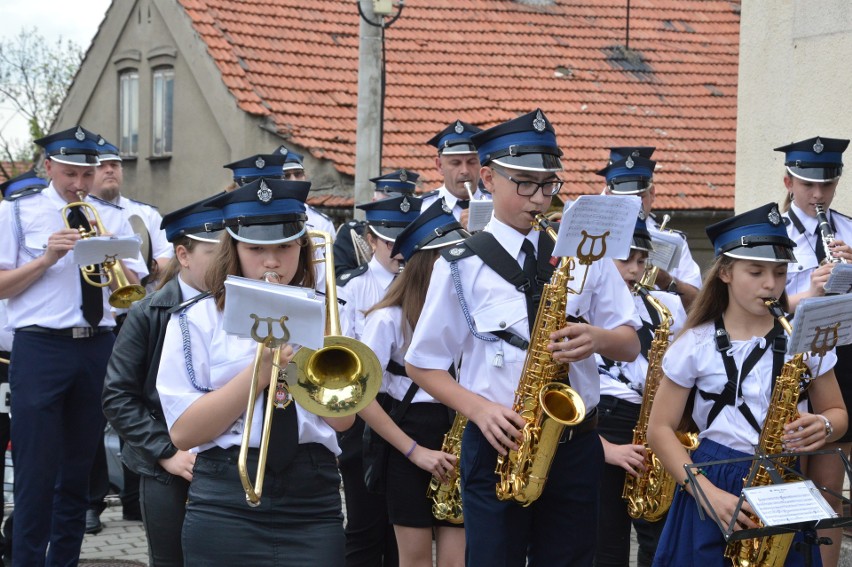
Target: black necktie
(820, 249)
(283, 431)
(463, 203)
(93, 297)
(530, 269)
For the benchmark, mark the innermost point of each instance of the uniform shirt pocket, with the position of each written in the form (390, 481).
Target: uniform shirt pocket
(36, 242)
(509, 315)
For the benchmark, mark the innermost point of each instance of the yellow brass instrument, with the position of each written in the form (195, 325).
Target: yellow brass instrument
(771, 551)
(4, 361)
(344, 376)
(826, 235)
(125, 292)
(446, 496)
(546, 405)
(254, 490)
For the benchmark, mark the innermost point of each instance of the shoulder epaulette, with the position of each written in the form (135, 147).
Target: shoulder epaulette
(142, 203)
(320, 213)
(457, 252)
(428, 194)
(680, 233)
(25, 193)
(190, 302)
(350, 275)
(107, 203)
(838, 213)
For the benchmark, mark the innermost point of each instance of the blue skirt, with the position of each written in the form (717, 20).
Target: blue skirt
(687, 540)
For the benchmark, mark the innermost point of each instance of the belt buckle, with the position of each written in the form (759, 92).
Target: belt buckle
(81, 332)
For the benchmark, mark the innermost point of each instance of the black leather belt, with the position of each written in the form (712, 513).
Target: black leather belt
(73, 332)
(588, 424)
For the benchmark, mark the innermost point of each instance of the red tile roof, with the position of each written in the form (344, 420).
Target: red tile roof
(487, 61)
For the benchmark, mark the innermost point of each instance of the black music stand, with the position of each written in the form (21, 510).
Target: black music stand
(775, 470)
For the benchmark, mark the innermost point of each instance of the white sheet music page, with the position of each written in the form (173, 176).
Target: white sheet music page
(294, 314)
(820, 321)
(600, 226)
(788, 503)
(97, 249)
(479, 214)
(840, 279)
(667, 249)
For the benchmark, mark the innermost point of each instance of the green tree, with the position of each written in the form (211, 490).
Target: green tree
(35, 75)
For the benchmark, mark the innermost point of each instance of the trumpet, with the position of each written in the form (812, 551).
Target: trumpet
(125, 292)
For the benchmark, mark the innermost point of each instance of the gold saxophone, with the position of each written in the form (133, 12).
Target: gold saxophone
(546, 405)
(772, 551)
(446, 496)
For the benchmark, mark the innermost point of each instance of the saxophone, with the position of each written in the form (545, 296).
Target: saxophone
(546, 405)
(826, 235)
(446, 496)
(771, 551)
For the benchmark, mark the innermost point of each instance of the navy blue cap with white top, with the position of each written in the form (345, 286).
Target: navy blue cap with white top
(399, 181)
(199, 221)
(75, 146)
(22, 182)
(816, 159)
(265, 211)
(629, 176)
(455, 139)
(387, 217)
(106, 151)
(526, 143)
(434, 228)
(269, 166)
(758, 234)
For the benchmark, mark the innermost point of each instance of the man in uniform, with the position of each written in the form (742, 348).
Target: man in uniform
(630, 171)
(63, 339)
(459, 165)
(294, 170)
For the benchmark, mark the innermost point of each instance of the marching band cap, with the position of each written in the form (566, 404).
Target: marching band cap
(758, 234)
(455, 139)
(265, 211)
(292, 160)
(106, 151)
(815, 159)
(22, 182)
(526, 143)
(248, 169)
(435, 228)
(629, 176)
(399, 181)
(641, 237)
(199, 221)
(617, 154)
(75, 146)
(387, 217)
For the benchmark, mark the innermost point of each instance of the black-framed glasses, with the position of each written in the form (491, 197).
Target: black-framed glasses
(530, 188)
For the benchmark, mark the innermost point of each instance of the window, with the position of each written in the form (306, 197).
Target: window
(163, 111)
(128, 110)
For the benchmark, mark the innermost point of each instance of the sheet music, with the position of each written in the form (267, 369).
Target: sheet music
(667, 249)
(251, 303)
(840, 279)
(818, 319)
(97, 249)
(597, 215)
(479, 214)
(788, 503)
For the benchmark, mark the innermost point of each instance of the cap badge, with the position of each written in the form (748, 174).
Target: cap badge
(403, 176)
(264, 193)
(345, 276)
(459, 128)
(818, 146)
(101, 141)
(774, 216)
(629, 163)
(539, 124)
(405, 206)
(635, 153)
(259, 163)
(283, 151)
(456, 251)
(79, 134)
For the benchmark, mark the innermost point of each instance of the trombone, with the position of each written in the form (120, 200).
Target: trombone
(337, 380)
(125, 293)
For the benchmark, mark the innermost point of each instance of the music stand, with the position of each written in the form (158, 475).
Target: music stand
(775, 468)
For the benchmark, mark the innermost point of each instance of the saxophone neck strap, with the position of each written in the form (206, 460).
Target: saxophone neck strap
(733, 389)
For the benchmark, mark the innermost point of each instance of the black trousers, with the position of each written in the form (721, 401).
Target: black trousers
(616, 421)
(163, 506)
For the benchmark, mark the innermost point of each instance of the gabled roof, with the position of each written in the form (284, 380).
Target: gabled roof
(486, 61)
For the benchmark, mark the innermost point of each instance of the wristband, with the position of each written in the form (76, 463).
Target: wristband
(413, 446)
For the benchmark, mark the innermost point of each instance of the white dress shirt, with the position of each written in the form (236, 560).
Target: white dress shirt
(361, 293)
(451, 200)
(799, 272)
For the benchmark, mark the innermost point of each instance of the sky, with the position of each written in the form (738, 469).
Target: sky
(77, 21)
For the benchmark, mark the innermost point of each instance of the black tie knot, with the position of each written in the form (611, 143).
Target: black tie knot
(463, 203)
(77, 219)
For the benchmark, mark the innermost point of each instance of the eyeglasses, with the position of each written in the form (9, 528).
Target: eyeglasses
(530, 188)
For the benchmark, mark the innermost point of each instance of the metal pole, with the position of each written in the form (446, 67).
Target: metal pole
(368, 150)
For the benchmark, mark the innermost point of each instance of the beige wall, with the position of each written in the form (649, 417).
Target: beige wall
(209, 130)
(794, 83)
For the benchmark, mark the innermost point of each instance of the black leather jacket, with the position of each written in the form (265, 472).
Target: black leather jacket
(130, 399)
